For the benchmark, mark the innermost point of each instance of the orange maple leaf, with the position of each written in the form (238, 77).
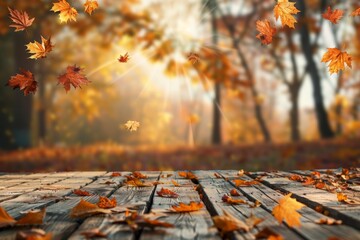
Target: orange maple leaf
(105, 202)
(21, 20)
(137, 183)
(124, 58)
(24, 81)
(80, 192)
(167, 193)
(287, 210)
(266, 31)
(230, 200)
(115, 174)
(35, 217)
(39, 50)
(234, 193)
(341, 197)
(191, 207)
(356, 12)
(333, 16)
(90, 6)
(72, 77)
(284, 9)
(188, 175)
(84, 209)
(337, 60)
(244, 183)
(66, 11)
(139, 175)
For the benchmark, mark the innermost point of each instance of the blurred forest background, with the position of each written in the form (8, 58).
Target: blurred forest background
(206, 92)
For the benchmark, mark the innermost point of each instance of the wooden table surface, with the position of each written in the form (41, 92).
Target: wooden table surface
(23, 192)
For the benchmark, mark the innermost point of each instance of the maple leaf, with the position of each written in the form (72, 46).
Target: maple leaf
(139, 175)
(191, 207)
(341, 197)
(80, 192)
(188, 175)
(132, 126)
(115, 174)
(66, 11)
(124, 58)
(72, 77)
(234, 193)
(5, 218)
(230, 200)
(21, 20)
(39, 50)
(90, 6)
(266, 31)
(337, 60)
(24, 81)
(356, 12)
(244, 183)
(284, 9)
(33, 234)
(167, 193)
(287, 210)
(34, 217)
(333, 16)
(176, 184)
(295, 177)
(137, 183)
(228, 223)
(84, 209)
(93, 233)
(106, 203)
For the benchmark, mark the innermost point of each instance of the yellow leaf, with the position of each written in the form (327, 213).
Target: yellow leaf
(66, 11)
(39, 50)
(337, 60)
(284, 9)
(132, 125)
(90, 6)
(287, 210)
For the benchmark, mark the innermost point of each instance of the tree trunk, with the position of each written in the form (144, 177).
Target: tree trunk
(321, 114)
(42, 105)
(294, 115)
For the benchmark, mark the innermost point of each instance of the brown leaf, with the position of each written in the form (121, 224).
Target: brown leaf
(80, 192)
(84, 209)
(139, 175)
(106, 203)
(115, 174)
(167, 193)
(39, 50)
(269, 234)
(217, 175)
(244, 183)
(32, 218)
(228, 223)
(176, 184)
(137, 183)
(188, 175)
(33, 234)
(72, 77)
(5, 218)
(295, 177)
(21, 19)
(287, 210)
(234, 192)
(93, 233)
(230, 200)
(192, 206)
(333, 16)
(328, 221)
(356, 12)
(24, 81)
(124, 58)
(267, 32)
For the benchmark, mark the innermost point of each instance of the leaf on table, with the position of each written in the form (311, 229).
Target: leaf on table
(308, 181)
(72, 77)
(228, 223)
(234, 193)
(167, 193)
(93, 233)
(80, 192)
(244, 183)
(191, 207)
(230, 200)
(295, 177)
(341, 197)
(136, 221)
(241, 172)
(33, 217)
(356, 12)
(285, 10)
(268, 234)
(267, 31)
(39, 50)
(5, 218)
(106, 203)
(328, 221)
(188, 175)
(115, 174)
(137, 183)
(139, 175)
(217, 175)
(66, 11)
(287, 210)
(333, 16)
(337, 60)
(166, 175)
(124, 58)
(21, 19)
(84, 209)
(253, 221)
(90, 6)
(132, 126)
(24, 81)
(176, 184)
(33, 234)
(320, 185)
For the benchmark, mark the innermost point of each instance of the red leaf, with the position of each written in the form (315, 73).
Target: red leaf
(21, 20)
(72, 77)
(24, 81)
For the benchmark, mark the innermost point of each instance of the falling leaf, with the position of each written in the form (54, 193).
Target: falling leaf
(234, 193)
(284, 9)
(39, 50)
(333, 16)
(268, 234)
(230, 200)
(167, 193)
(337, 60)
(21, 20)
(106, 203)
(191, 207)
(228, 223)
(244, 183)
(188, 175)
(356, 12)
(33, 217)
(66, 11)
(80, 192)
(84, 209)
(328, 221)
(93, 233)
(5, 218)
(124, 58)
(253, 221)
(90, 6)
(115, 174)
(72, 77)
(33, 234)
(132, 126)
(341, 197)
(176, 184)
(287, 210)
(24, 81)
(266, 31)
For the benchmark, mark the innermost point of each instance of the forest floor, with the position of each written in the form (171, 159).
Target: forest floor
(265, 157)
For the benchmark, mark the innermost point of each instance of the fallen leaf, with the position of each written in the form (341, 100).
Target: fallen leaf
(328, 221)
(252, 221)
(337, 60)
(167, 193)
(84, 209)
(33, 217)
(356, 12)
(90, 6)
(115, 174)
(217, 175)
(106, 203)
(5, 218)
(268, 234)
(284, 9)
(230, 200)
(287, 210)
(124, 58)
(33, 234)
(333, 16)
(188, 175)
(341, 197)
(39, 50)
(228, 223)
(267, 32)
(176, 184)
(66, 11)
(191, 207)
(21, 20)
(320, 185)
(132, 126)
(244, 183)
(72, 77)
(137, 183)
(309, 181)
(234, 193)
(136, 221)
(93, 233)
(295, 177)
(24, 81)
(139, 175)
(80, 192)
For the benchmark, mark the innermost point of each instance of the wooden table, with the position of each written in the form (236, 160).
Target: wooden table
(22, 192)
